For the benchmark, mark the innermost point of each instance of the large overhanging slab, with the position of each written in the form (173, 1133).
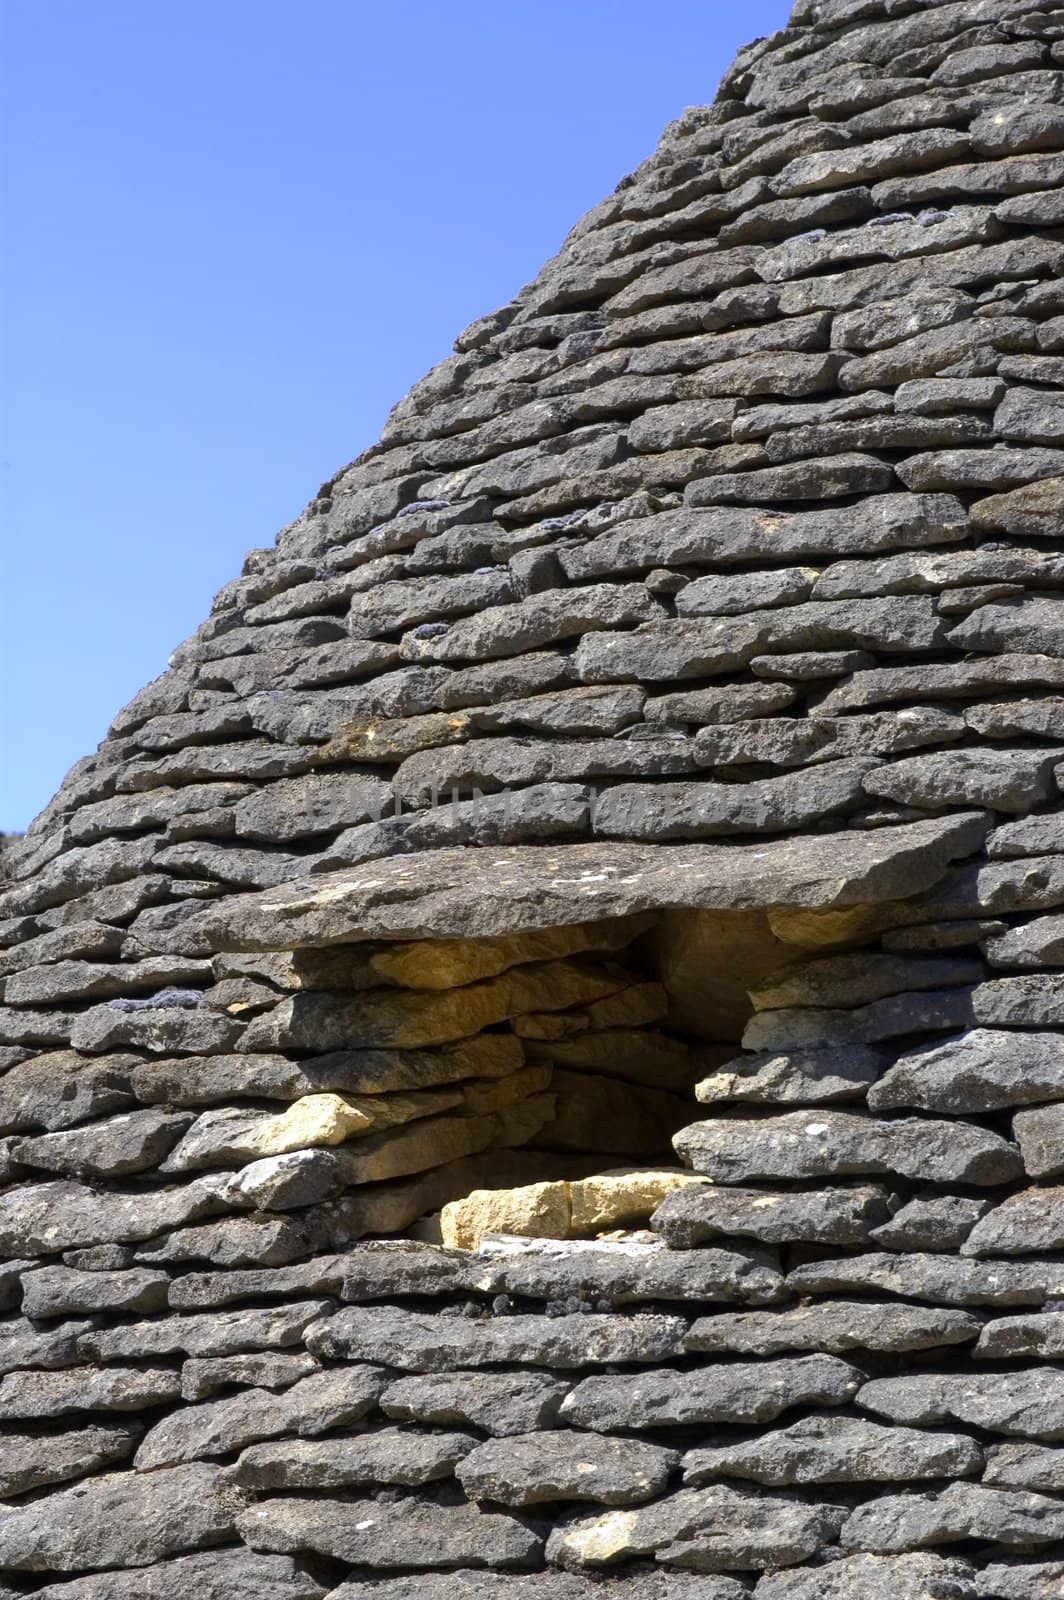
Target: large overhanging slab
(485, 892)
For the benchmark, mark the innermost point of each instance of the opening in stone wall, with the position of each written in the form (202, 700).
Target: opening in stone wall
(526, 1084)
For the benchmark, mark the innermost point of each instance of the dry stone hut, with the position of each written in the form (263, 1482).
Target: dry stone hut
(534, 1054)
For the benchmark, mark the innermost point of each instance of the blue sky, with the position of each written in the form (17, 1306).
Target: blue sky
(236, 231)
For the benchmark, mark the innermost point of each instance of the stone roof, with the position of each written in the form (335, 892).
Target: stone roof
(722, 570)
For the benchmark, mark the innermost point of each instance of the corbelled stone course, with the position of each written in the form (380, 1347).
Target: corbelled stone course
(650, 752)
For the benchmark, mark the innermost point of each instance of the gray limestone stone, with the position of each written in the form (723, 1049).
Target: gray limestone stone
(960, 1511)
(797, 1077)
(694, 810)
(203, 1376)
(406, 1457)
(622, 1271)
(691, 1217)
(1002, 780)
(125, 1519)
(1040, 1136)
(703, 1530)
(134, 1141)
(733, 595)
(1022, 1224)
(1020, 1580)
(822, 1450)
(791, 742)
(732, 1393)
(31, 1396)
(158, 1030)
(209, 1334)
(940, 1279)
(835, 1327)
(61, 1089)
(983, 1070)
(30, 1462)
(44, 1218)
(1029, 1404)
(641, 1584)
(534, 1468)
(1018, 1465)
(933, 1222)
(915, 1576)
(1033, 1335)
(415, 1342)
(828, 1143)
(218, 1427)
(501, 1403)
(229, 1574)
(728, 703)
(1032, 622)
(408, 1533)
(61, 1291)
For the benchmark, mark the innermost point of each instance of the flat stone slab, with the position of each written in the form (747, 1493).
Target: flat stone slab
(478, 893)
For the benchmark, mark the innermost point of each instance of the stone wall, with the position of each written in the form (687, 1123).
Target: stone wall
(715, 581)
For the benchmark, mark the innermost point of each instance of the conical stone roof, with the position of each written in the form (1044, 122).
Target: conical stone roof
(717, 576)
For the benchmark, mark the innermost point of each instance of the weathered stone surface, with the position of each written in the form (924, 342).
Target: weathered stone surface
(384, 1456)
(62, 1291)
(645, 1584)
(30, 1396)
(960, 1511)
(829, 1143)
(414, 1342)
(1003, 780)
(836, 1215)
(60, 1089)
(935, 1222)
(940, 1279)
(979, 1071)
(1019, 1465)
(798, 1077)
(1023, 1223)
(229, 1574)
(29, 1463)
(135, 1141)
(1040, 1136)
(820, 1450)
(501, 1403)
(312, 1406)
(44, 1218)
(518, 889)
(214, 1334)
(832, 1326)
(203, 1376)
(622, 1271)
(208, 1080)
(122, 1520)
(705, 1530)
(409, 1533)
(641, 1584)
(739, 1393)
(534, 1468)
(1023, 1336)
(873, 1577)
(1029, 1403)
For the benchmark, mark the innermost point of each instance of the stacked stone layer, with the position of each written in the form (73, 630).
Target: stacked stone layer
(731, 549)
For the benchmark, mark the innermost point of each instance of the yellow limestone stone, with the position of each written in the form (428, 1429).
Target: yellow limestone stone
(537, 1211)
(331, 1119)
(817, 930)
(611, 1198)
(600, 1541)
(560, 1210)
(447, 963)
(316, 1119)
